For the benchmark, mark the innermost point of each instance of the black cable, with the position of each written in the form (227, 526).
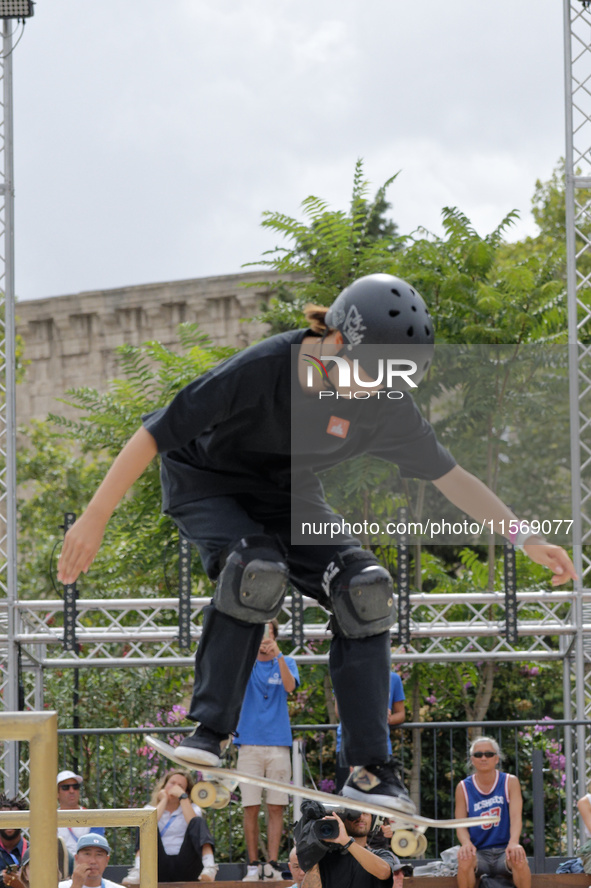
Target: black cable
(8, 54)
(51, 570)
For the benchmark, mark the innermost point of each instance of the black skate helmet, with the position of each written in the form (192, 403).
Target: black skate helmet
(383, 310)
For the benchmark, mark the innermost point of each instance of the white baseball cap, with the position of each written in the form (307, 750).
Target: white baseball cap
(68, 775)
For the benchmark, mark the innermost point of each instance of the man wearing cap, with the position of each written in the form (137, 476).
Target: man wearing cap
(90, 862)
(68, 798)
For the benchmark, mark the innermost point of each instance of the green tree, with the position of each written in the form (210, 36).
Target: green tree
(327, 251)
(61, 469)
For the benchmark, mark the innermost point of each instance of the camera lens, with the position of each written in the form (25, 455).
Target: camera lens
(326, 829)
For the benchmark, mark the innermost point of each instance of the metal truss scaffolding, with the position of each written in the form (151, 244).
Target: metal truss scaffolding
(8, 645)
(577, 58)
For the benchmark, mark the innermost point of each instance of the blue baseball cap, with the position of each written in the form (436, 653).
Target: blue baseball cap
(92, 840)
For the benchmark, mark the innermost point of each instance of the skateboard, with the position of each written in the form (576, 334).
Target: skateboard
(217, 785)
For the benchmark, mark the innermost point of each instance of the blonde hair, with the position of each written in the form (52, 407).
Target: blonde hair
(316, 317)
(164, 780)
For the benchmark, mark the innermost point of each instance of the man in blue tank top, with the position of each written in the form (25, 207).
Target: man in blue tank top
(491, 849)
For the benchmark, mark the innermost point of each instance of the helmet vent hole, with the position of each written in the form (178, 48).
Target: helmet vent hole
(410, 331)
(395, 291)
(393, 313)
(412, 291)
(413, 308)
(427, 331)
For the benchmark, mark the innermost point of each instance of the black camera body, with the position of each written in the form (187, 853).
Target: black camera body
(312, 832)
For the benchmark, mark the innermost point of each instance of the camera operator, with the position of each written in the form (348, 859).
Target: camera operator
(347, 860)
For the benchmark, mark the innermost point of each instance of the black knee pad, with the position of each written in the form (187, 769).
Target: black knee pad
(361, 594)
(253, 582)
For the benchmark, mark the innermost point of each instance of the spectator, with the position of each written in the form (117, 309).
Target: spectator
(20, 878)
(295, 869)
(584, 806)
(12, 843)
(490, 850)
(396, 716)
(68, 797)
(90, 862)
(185, 845)
(356, 865)
(264, 738)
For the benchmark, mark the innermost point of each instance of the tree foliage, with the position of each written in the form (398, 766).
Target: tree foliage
(326, 251)
(66, 459)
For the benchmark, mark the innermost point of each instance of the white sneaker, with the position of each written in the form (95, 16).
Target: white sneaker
(252, 873)
(271, 873)
(132, 878)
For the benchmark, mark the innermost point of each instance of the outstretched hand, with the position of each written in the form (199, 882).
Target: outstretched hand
(553, 557)
(81, 544)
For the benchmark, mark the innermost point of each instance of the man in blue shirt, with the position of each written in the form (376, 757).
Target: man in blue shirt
(264, 737)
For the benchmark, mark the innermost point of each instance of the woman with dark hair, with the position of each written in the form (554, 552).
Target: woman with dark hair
(185, 845)
(240, 449)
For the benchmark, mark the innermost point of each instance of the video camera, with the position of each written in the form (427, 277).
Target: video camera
(312, 833)
(327, 829)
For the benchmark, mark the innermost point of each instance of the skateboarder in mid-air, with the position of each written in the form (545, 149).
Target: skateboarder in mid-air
(226, 453)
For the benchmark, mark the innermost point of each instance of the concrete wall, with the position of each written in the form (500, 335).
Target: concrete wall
(71, 341)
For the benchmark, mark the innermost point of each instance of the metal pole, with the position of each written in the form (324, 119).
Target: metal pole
(569, 799)
(12, 694)
(298, 775)
(538, 806)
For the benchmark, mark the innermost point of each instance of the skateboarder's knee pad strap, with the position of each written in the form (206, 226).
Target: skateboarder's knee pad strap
(361, 594)
(253, 582)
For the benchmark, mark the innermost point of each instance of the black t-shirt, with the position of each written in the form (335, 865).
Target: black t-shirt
(343, 871)
(243, 427)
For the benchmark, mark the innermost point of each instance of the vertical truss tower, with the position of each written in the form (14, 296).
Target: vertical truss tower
(9, 662)
(577, 59)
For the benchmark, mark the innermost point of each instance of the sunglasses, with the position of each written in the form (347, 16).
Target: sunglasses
(487, 754)
(69, 786)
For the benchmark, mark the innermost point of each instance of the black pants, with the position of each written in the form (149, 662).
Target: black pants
(185, 866)
(359, 667)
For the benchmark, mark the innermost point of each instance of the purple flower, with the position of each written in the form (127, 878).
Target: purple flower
(431, 700)
(327, 785)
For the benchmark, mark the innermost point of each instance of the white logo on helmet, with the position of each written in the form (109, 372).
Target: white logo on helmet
(353, 326)
(337, 316)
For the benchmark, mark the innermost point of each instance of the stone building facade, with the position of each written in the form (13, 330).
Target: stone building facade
(71, 341)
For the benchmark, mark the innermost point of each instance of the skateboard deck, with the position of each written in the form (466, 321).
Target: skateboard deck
(229, 778)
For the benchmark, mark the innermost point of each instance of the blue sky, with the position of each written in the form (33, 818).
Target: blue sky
(150, 136)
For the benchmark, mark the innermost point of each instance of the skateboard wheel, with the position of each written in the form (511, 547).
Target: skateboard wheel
(222, 797)
(421, 844)
(203, 794)
(404, 843)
